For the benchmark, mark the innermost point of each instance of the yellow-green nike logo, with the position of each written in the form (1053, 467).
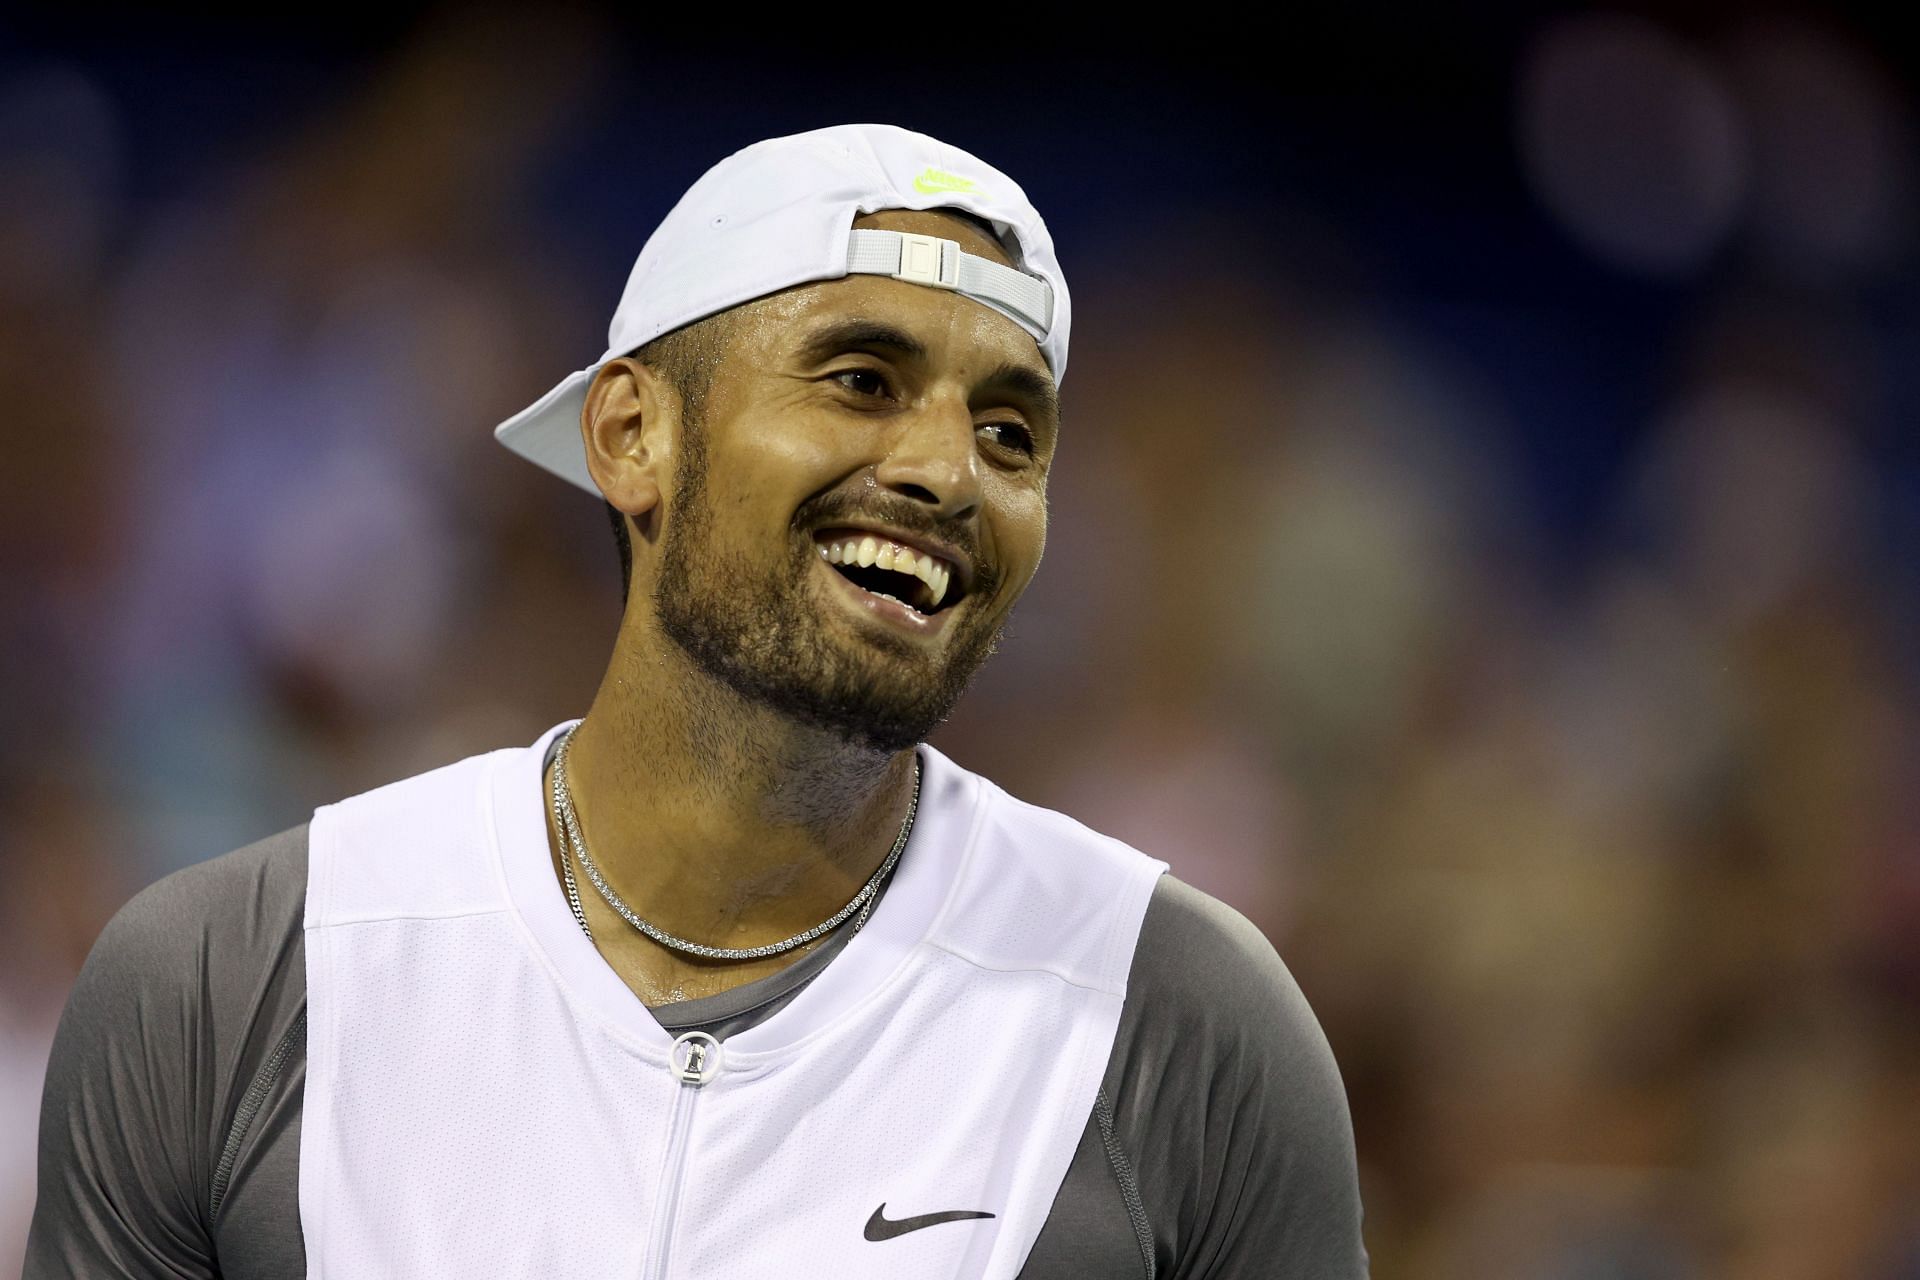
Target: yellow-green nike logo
(932, 181)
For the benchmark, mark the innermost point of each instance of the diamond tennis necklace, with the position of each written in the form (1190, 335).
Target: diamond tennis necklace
(569, 824)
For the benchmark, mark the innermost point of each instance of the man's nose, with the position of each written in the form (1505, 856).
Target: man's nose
(934, 459)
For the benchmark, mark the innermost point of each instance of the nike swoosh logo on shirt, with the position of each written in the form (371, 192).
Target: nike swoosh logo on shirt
(880, 1227)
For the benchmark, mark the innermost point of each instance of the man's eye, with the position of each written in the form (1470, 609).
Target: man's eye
(865, 382)
(1011, 435)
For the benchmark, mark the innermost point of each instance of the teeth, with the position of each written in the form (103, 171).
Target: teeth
(869, 551)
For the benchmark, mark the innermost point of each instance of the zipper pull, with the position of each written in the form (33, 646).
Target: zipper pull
(694, 1058)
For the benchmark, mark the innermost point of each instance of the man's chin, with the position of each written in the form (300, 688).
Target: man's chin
(882, 716)
(860, 698)
(896, 696)
(806, 659)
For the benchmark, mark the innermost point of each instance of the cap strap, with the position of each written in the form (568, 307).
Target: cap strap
(942, 264)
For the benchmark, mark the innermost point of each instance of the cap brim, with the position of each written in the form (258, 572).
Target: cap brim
(547, 432)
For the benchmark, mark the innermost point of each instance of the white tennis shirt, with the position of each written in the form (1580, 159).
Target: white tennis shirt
(485, 1096)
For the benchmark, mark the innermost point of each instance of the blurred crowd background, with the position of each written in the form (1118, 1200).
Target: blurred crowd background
(1485, 548)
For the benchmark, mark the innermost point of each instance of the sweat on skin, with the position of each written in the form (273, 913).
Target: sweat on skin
(744, 768)
(757, 717)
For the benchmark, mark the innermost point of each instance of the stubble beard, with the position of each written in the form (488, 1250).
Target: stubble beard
(766, 638)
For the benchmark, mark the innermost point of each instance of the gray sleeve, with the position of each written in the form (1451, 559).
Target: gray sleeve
(1226, 1097)
(160, 1035)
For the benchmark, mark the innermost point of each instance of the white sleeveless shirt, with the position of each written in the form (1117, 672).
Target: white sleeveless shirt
(486, 1097)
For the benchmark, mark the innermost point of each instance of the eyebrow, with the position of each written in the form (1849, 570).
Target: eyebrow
(861, 335)
(873, 335)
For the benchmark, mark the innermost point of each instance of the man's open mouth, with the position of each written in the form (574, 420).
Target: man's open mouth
(911, 576)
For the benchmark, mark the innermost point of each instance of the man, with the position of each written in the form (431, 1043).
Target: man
(735, 977)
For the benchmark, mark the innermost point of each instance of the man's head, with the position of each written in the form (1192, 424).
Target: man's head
(825, 421)
(686, 359)
(810, 420)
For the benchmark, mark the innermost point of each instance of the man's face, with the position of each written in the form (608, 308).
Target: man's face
(856, 408)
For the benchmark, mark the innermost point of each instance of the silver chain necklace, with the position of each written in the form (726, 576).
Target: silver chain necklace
(569, 824)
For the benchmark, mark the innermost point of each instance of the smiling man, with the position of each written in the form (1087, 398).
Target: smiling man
(734, 976)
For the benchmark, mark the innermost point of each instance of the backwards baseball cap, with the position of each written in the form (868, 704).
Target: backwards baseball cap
(780, 213)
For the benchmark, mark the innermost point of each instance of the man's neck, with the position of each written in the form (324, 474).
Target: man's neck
(721, 821)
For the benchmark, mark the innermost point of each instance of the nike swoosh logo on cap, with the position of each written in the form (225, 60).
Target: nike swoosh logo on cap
(931, 181)
(880, 1227)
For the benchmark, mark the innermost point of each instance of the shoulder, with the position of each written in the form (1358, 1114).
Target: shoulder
(1068, 843)
(1207, 992)
(194, 973)
(421, 846)
(242, 890)
(1033, 889)
(1201, 964)
(1225, 1090)
(208, 961)
(183, 994)
(235, 914)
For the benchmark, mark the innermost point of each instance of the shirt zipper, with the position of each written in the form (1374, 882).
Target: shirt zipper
(694, 1060)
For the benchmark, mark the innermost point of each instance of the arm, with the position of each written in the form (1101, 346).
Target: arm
(182, 996)
(1228, 1096)
(121, 1146)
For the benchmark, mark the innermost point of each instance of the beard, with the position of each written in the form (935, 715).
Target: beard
(763, 633)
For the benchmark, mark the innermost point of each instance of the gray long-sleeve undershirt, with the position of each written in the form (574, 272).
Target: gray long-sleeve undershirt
(1220, 1146)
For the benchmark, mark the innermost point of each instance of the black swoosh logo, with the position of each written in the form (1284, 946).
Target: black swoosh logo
(881, 1227)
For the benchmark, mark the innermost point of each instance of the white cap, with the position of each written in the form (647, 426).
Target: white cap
(780, 213)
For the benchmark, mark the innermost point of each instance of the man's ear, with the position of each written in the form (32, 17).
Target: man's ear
(629, 425)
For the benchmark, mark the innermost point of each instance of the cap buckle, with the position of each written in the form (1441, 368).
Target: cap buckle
(929, 260)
